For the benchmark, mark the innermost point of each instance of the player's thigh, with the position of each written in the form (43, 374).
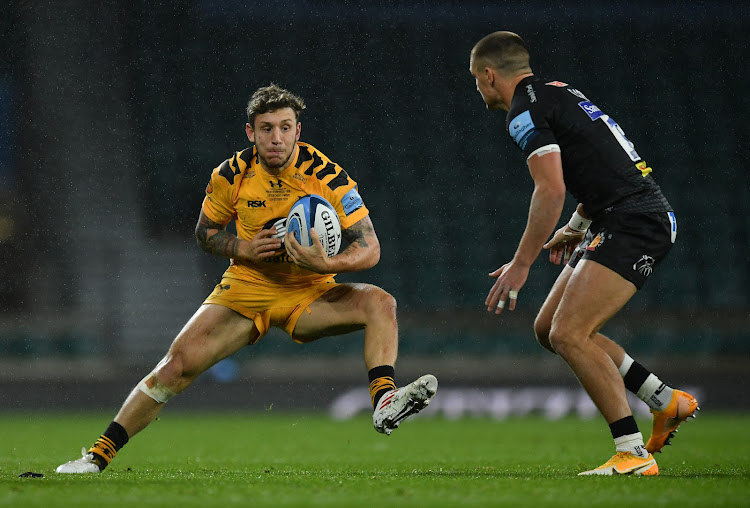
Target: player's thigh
(592, 295)
(213, 333)
(543, 321)
(343, 309)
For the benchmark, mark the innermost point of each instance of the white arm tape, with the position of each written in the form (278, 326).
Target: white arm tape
(544, 150)
(578, 223)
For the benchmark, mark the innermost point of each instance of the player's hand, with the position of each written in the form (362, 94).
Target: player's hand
(510, 279)
(562, 244)
(264, 245)
(313, 258)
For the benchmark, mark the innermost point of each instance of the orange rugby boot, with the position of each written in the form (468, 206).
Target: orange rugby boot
(680, 408)
(626, 463)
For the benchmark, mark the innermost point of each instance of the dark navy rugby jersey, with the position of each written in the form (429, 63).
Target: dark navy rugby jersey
(601, 167)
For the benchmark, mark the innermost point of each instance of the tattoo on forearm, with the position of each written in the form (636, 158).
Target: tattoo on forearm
(356, 235)
(220, 243)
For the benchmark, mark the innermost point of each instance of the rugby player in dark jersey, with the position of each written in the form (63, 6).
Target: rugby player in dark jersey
(623, 228)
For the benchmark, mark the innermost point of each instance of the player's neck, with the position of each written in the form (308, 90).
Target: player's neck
(277, 171)
(507, 88)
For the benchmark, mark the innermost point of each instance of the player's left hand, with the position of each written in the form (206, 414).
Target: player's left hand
(510, 279)
(563, 243)
(313, 258)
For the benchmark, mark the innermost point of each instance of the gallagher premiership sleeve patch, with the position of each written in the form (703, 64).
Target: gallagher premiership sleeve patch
(522, 129)
(351, 201)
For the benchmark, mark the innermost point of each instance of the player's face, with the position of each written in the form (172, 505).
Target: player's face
(275, 135)
(491, 97)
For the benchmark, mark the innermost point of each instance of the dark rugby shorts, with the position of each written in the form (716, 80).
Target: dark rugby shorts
(631, 244)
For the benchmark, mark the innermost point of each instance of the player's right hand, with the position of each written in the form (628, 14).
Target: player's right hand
(264, 245)
(562, 244)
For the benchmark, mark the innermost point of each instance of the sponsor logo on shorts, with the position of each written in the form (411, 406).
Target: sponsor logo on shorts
(557, 83)
(645, 265)
(256, 203)
(597, 242)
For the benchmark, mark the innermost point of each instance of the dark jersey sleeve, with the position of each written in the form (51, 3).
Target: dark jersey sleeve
(528, 124)
(601, 167)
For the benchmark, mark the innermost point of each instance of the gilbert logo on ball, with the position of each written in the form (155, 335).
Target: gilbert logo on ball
(313, 211)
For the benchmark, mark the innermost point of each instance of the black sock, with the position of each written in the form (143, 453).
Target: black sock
(117, 434)
(106, 447)
(636, 376)
(623, 427)
(381, 382)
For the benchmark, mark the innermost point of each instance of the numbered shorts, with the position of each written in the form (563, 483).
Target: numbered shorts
(268, 305)
(631, 244)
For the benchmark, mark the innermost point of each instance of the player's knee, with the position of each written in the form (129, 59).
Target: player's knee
(541, 330)
(562, 340)
(381, 304)
(176, 372)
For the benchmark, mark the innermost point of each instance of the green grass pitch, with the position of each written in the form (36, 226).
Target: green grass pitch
(280, 460)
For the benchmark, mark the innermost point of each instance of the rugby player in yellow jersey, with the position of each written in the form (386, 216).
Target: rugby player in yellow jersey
(272, 280)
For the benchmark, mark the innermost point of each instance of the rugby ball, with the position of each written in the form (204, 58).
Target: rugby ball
(313, 211)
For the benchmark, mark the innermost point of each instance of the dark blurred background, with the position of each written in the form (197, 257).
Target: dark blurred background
(112, 116)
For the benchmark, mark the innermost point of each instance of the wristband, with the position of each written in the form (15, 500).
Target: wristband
(578, 223)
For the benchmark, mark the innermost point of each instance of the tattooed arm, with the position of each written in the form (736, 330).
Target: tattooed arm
(214, 239)
(363, 251)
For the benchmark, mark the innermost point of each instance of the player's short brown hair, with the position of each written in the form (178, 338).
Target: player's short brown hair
(503, 51)
(270, 98)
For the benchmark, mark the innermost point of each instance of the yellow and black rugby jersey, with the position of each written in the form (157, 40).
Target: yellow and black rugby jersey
(242, 190)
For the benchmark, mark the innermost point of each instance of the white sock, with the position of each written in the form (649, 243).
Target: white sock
(625, 365)
(632, 443)
(655, 393)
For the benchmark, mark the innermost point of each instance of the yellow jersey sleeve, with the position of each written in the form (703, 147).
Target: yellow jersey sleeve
(336, 186)
(223, 188)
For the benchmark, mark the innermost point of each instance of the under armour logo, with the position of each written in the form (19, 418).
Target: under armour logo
(645, 265)
(275, 184)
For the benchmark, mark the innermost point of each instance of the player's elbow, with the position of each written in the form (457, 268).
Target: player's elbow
(552, 194)
(373, 256)
(202, 235)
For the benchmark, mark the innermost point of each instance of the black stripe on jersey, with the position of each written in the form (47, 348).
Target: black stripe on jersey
(304, 155)
(339, 180)
(246, 155)
(227, 171)
(316, 163)
(329, 169)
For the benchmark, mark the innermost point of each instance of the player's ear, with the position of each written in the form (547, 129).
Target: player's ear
(251, 133)
(490, 74)
(299, 129)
